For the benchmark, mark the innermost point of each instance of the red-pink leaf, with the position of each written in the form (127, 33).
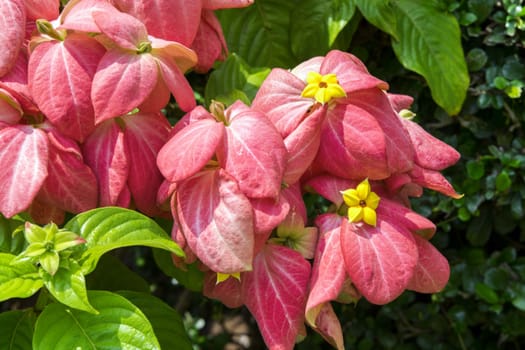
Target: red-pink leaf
(253, 152)
(269, 212)
(279, 97)
(175, 20)
(225, 4)
(330, 187)
(329, 327)
(176, 81)
(106, 154)
(68, 67)
(10, 110)
(379, 260)
(15, 82)
(302, 145)
(190, 149)
(23, 167)
(432, 270)
(351, 72)
(13, 23)
(228, 292)
(47, 9)
(144, 135)
(217, 221)
(42, 213)
(70, 185)
(125, 30)
(403, 216)
(275, 294)
(122, 82)
(400, 102)
(433, 180)
(430, 153)
(209, 43)
(328, 271)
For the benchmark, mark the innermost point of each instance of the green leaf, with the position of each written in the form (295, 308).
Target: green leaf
(486, 293)
(315, 25)
(191, 279)
(68, 286)
(381, 13)
(17, 330)
(260, 33)
(119, 325)
(19, 280)
(479, 229)
(111, 274)
(108, 228)
(10, 242)
(475, 169)
(503, 181)
(430, 44)
(167, 323)
(234, 80)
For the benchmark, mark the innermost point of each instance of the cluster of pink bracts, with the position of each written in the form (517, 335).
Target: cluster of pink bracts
(80, 127)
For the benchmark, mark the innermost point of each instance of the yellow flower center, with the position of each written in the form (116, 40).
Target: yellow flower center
(221, 277)
(323, 88)
(362, 203)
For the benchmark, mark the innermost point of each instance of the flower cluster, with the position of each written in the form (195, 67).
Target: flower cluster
(81, 127)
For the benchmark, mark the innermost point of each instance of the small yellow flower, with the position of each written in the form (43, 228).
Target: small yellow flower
(322, 88)
(362, 203)
(221, 277)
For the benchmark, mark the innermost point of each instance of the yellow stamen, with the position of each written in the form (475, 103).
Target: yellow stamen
(323, 88)
(362, 203)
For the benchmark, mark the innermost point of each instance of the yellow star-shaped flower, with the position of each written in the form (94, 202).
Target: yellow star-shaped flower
(362, 203)
(323, 88)
(221, 277)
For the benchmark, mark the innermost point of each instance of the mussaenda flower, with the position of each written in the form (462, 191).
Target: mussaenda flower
(362, 203)
(323, 88)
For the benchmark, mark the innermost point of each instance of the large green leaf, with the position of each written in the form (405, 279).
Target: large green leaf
(19, 280)
(192, 278)
(430, 44)
(17, 330)
(167, 323)
(381, 13)
(315, 25)
(234, 79)
(119, 325)
(10, 243)
(111, 274)
(68, 286)
(260, 33)
(111, 227)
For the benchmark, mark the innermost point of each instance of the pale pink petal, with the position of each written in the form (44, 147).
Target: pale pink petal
(275, 293)
(311, 65)
(253, 152)
(328, 271)
(106, 154)
(12, 22)
(144, 135)
(432, 270)
(217, 221)
(176, 82)
(47, 9)
(379, 260)
(23, 167)
(269, 212)
(175, 20)
(122, 82)
(69, 67)
(190, 149)
(125, 30)
(400, 102)
(351, 72)
(412, 221)
(157, 99)
(77, 14)
(279, 97)
(70, 185)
